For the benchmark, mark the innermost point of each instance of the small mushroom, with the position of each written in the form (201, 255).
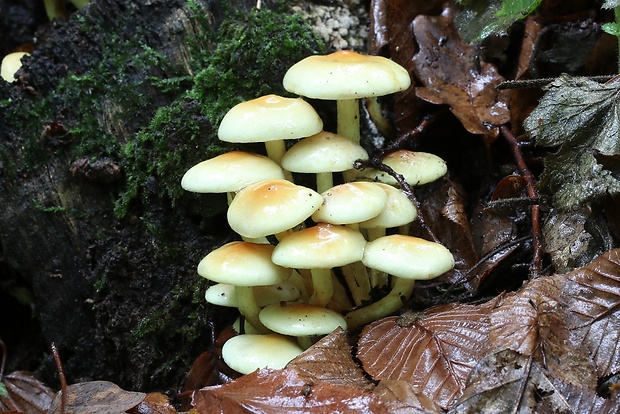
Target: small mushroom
(323, 154)
(417, 168)
(11, 63)
(248, 352)
(320, 248)
(270, 119)
(244, 265)
(304, 321)
(408, 259)
(346, 76)
(271, 207)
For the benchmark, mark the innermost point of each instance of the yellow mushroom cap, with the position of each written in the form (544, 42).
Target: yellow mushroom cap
(399, 210)
(269, 118)
(11, 64)
(407, 257)
(249, 352)
(323, 152)
(301, 319)
(243, 264)
(417, 168)
(271, 207)
(230, 172)
(224, 294)
(351, 203)
(320, 247)
(345, 75)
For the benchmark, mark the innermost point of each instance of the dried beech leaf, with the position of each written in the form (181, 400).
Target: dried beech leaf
(400, 398)
(96, 397)
(287, 390)
(447, 68)
(434, 351)
(154, 403)
(330, 360)
(593, 299)
(26, 393)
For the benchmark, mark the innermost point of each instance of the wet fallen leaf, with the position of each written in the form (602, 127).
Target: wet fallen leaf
(330, 360)
(154, 403)
(400, 398)
(25, 393)
(286, 390)
(96, 397)
(453, 74)
(574, 115)
(434, 351)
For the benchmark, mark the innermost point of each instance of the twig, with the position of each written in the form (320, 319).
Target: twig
(400, 142)
(61, 377)
(540, 82)
(375, 162)
(533, 194)
(3, 347)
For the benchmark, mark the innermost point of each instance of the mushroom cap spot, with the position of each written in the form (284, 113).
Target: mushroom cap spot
(351, 203)
(269, 118)
(11, 64)
(320, 247)
(345, 75)
(224, 294)
(301, 319)
(230, 172)
(271, 207)
(247, 353)
(408, 257)
(323, 152)
(417, 168)
(243, 264)
(399, 210)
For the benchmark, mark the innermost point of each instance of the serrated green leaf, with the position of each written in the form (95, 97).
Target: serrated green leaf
(479, 19)
(611, 28)
(574, 115)
(610, 4)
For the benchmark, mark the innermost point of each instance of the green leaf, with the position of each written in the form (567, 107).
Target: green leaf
(611, 28)
(479, 19)
(577, 114)
(3, 392)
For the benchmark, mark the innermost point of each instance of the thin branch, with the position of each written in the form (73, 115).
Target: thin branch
(61, 376)
(535, 268)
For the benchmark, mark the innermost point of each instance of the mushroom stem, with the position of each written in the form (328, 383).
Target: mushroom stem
(348, 123)
(275, 151)
(383, 307)
(322, 285)
(377, 277)
(248, 308)
(324, 181)
(358, 281)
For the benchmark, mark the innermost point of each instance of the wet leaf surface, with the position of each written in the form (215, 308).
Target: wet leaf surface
(96, 397)
(25, 393)
(433, 351)
(453, 74)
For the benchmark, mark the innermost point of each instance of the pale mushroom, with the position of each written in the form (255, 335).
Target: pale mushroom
(323, 154)
(270, 119)
(302, 320)
(408, 259)
(249, 352)
(320, 248)
(346, 76)
(271, 207)
(11, 63)
(417, 168)
(244, 265)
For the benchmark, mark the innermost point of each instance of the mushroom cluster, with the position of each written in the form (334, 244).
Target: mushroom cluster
(310, 255)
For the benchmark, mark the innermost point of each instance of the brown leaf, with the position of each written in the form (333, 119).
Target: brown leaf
(434, 351)
(452, 74)
(154, 403)
(26, 393)
(96, 397)
(287, 390)
(400, 398)
(330, 360)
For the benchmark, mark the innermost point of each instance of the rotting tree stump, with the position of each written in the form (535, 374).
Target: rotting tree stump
(118, 294)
